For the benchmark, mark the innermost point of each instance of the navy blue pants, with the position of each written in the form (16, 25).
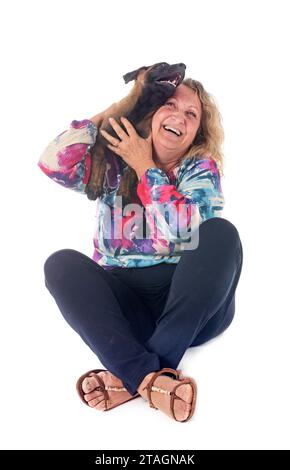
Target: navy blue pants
(139, 320)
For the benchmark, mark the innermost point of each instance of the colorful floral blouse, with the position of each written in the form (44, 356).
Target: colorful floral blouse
(174, 203)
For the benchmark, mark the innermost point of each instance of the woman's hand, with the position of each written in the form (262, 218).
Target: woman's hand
(135, 151)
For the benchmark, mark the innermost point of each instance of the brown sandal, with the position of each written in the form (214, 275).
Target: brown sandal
(186, 380)
(103, 388)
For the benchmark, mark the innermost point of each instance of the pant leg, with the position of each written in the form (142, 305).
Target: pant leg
(90, 300)
(222, 319)
(151, 284)
(216, 325)
(203, 283)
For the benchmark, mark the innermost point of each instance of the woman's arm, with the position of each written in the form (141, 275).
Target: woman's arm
(172, 214)
(67, 159)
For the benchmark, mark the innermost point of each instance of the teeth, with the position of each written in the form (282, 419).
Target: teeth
(173, 82)
(173, 129)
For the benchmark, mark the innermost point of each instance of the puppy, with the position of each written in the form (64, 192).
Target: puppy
(153, 86)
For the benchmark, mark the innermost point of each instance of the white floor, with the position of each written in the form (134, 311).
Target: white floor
(239, 52)
(243, 384)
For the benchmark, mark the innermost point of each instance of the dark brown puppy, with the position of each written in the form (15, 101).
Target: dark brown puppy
(153, 86)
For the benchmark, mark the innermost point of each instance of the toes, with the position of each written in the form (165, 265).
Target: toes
(92, 395)
(89, 384)
(97, 404)
(185, 392)
(95, 398)
(182, 406)
(181, 410)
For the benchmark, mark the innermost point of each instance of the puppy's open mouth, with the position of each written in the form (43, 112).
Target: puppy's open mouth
(172, 81)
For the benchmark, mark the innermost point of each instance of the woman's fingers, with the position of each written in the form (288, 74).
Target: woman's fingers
(118, 129)
(109, 137)
(129, 127)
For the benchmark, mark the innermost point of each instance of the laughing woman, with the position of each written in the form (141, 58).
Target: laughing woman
(140, 302)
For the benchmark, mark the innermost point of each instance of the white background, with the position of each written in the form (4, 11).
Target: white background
(65, 60)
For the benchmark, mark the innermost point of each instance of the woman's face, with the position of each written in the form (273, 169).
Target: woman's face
(182, 112)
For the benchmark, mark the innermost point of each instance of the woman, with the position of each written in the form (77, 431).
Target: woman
(139, 303)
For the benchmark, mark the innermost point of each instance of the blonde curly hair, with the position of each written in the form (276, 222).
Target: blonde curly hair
(210, 135)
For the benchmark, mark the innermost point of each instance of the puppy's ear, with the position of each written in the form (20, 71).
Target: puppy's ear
(134, 74)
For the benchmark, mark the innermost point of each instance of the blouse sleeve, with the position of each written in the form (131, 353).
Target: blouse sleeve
(67, 159)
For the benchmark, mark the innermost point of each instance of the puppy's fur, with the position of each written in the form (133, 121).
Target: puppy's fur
(153, 86)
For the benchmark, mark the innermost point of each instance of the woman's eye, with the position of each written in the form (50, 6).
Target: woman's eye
(190, 112)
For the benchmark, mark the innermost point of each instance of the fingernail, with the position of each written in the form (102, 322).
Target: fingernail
(111, 119)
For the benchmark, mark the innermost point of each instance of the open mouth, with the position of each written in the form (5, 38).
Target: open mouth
(174, 81)
(172, 130)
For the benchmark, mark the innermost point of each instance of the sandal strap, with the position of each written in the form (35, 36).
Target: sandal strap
(116, 389)
(105, 389)
(148, 387)
(102, 387)
(173, 397)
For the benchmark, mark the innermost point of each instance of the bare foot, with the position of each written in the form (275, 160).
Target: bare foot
(96, 399)
(161, 400)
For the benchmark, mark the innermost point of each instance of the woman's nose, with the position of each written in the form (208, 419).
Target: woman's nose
(178, 116)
